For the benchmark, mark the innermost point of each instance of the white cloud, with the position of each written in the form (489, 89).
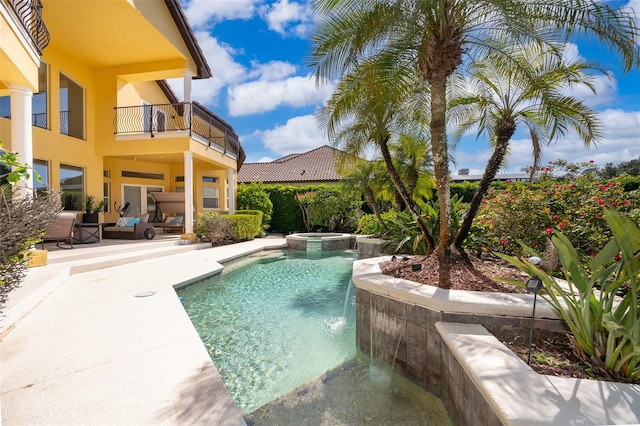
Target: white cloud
(224, 71)
(273, 70)
(299, 134)
(286, 17)
(262, 96)
(207, 12)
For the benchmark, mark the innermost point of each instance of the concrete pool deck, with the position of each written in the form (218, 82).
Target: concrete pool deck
(79, 345)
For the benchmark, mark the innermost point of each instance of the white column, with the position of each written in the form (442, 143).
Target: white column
(231, 187)
(188, 192)
(187, 86)
(186, 95)
(21, 133)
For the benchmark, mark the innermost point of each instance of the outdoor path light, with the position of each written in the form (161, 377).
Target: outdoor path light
(534, 284)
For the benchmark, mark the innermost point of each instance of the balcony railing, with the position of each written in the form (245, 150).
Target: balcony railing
(38, 119)
(181, 116)
(29, 14)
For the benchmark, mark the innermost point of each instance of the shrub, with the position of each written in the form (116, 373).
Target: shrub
(22, 221)
(254, 197)
(252, 233)
(330, 208)
(245, 226)
(215, 228)
(286, 216)
(601, 304)
(572, 203)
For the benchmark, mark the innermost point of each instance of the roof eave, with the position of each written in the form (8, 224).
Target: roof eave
(180, 19)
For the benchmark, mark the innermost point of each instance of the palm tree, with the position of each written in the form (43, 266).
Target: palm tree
(368, 178)
(527, 89)
(438, 37)
(365, 110)
(412, 158)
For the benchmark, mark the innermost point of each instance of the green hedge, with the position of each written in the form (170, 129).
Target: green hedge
(286, 216)
(245, 226)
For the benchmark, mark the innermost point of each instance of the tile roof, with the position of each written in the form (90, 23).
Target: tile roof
(317, 165)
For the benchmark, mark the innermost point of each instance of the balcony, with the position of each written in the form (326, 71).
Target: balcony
(189, 117)
(29, 14)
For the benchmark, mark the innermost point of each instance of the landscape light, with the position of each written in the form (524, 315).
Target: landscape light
(533, 285)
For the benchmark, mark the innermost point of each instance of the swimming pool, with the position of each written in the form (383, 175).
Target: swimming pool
(276, 322)
(280, 328)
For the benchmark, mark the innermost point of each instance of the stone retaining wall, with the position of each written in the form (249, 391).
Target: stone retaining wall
(405, 335)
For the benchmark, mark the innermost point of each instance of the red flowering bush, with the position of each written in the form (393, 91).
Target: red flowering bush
(567, 197)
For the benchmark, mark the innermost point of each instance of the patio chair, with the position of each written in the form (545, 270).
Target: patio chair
(60, 230)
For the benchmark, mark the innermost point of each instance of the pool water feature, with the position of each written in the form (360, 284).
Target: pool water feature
(277, 322)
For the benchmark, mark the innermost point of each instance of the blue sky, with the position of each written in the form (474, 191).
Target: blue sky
(261, 85)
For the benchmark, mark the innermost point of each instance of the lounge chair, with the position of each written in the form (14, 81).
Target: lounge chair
(60, 230)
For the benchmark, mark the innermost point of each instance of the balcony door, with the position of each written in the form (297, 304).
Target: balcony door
(154, 119)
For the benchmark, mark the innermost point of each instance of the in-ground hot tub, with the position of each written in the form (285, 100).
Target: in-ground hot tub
(316, 241)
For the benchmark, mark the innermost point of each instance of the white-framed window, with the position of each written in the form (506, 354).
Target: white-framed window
(210, 198)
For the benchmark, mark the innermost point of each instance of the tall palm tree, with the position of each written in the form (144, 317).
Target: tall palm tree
(438, 37)
(365, 110)
(527, 89)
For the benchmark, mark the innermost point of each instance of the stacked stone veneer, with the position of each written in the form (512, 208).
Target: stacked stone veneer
(404, 334)
(396, 324)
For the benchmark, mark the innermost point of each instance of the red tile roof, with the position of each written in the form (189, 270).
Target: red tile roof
(317, 165)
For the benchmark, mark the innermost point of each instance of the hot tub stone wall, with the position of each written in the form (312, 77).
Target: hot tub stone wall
(408, 333)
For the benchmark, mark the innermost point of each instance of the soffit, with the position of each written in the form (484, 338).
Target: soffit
(106, 33)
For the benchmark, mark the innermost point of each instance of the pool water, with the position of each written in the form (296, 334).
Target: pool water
(280, 328)
(276, 322)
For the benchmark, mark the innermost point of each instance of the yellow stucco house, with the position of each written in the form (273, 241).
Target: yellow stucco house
(84, 99)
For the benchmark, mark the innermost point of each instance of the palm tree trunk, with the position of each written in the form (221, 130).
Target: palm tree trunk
(397, 182)
(483, 187)
(440, 154)
(371, 200)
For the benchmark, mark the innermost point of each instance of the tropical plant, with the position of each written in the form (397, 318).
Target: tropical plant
(92, 206)
(501, 95)
(404, 234)
(366, 111)
(15, 171)
(600, 303)
(369, 224)
(368, 179)
(437, 38)
(412, 159)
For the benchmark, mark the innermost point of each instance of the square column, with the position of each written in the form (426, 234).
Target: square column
(188, 192)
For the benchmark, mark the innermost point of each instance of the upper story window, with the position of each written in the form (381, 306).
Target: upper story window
(39, 103)
(71, 108)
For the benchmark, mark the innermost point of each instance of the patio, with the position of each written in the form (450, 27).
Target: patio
(81, 344)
